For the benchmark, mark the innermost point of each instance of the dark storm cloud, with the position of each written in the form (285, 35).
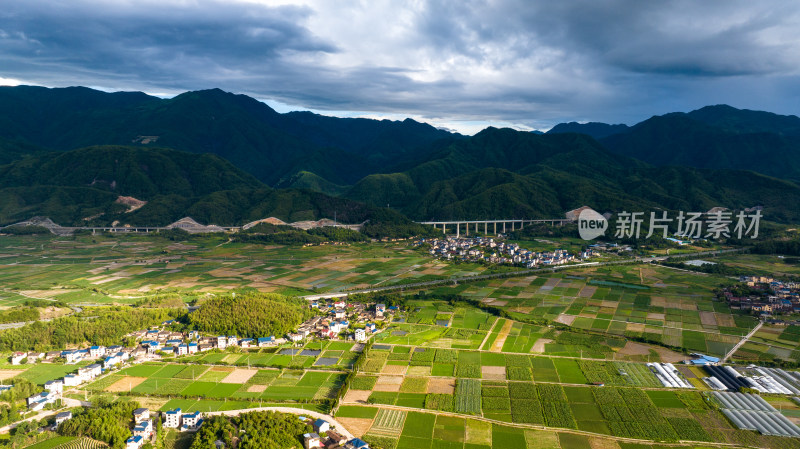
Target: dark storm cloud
(151, 42)
(678, 37)
(519, 61)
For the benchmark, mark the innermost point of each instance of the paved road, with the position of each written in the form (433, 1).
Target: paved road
(743, 341)
(297, 411)
(68, 403)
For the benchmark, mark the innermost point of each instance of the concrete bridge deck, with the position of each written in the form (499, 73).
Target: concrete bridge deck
(513, 224)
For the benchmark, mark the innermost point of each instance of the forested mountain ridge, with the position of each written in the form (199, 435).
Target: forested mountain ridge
(529, 175)
(245, 131)
(690, 160)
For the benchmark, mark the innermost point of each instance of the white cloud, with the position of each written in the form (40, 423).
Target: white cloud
(10, 82)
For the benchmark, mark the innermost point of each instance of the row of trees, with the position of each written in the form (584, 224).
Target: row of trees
(19, 314)
(253, 430)
(100, 325)
(107, 422)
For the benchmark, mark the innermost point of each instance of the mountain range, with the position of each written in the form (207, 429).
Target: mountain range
(72, 153)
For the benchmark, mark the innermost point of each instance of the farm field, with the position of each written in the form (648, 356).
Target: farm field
(564, 350)
(411, 429)
(771, 343)
(308, 356)
(653, 303)
(104, 269)
(541, 391)
(192, 382)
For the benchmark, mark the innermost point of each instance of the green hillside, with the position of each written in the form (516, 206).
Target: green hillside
(131, 171)
(543, 176)
(81, 187)
(310, 181)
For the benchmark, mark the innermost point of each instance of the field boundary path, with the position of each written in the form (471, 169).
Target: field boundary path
(68, 403)
(297, 411)
(742, 341)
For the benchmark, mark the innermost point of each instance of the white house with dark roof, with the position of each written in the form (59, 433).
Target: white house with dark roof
(134, 442)
(54, 386)
(191, 421)
(63, 416)
(172, 418)
(222, 342)
(311, 440)
(71, 380)
(143, 429)
(141, 414)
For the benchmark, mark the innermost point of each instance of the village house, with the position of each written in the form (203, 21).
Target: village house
(71, 380)
(172, 418)
(311, 440)
(54, 386)
(294, 337)
(134, 442)
(17, 358)
(360, 335)
(140, 415)
(143, 429)
(38, 401)
(191, 421)
(173, 342)
(321, 426)
(335, 439)
(89, 372)
(63, 416)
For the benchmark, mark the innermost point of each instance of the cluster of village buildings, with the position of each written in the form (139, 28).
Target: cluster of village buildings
(484, 249)
(143, 430)
(773, 296)
(332, 321)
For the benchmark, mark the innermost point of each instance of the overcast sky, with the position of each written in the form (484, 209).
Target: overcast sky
(457, 64)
